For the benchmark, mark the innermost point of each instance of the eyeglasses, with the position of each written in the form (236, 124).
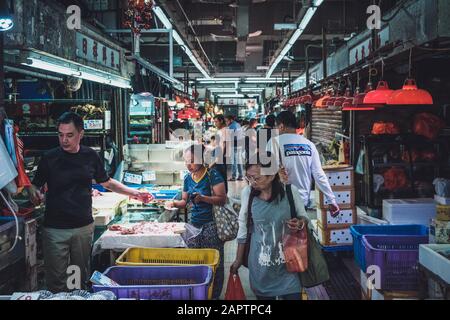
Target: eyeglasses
(253, 180)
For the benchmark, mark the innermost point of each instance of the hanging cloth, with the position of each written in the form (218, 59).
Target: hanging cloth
(8, 171)
(22, 178)
(9, 140)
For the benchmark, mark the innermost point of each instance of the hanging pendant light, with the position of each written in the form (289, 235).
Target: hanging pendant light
(381, 95)
(321, 103)
(356, 104)
(410, 94)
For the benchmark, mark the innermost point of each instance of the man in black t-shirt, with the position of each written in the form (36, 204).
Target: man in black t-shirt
(69, 171)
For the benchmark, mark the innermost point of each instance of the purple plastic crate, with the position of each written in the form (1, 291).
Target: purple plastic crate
(159, 282)
(398, 260)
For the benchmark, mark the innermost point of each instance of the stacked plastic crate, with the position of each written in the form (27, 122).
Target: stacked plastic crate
(335, 231)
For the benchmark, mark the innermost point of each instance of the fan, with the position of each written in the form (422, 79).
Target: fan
(73, 84)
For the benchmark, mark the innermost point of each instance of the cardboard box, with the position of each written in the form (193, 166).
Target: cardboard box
(439, 232)
(334, 237)
(340, 176)
(442, 213)
(345, 198)
(346, 218)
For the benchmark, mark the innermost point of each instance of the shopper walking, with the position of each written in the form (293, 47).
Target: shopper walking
(220, 163)
(300, 161)
(265, 200)
(202, 189)
(236, 139)
(68, 172)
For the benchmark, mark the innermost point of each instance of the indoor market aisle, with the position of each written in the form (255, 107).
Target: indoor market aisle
(344, 274)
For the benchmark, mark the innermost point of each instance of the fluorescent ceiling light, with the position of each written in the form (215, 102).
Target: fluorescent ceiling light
(252, 89)
(68, 68)
(221, 89)
(218, 79)
(230, 95)
(168, 25)
(302, 26)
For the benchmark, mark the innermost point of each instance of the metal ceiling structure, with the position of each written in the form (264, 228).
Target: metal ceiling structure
(264, 39)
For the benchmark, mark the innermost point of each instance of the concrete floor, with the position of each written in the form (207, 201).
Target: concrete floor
(234, 190)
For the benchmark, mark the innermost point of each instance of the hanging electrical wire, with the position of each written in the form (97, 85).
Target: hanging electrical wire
(17, 238)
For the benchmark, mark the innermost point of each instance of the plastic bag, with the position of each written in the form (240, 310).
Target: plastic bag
(235, 291)
(442, 187)
(427, 125)
(360, 164)
(394, 179)
(295, 249)
(385, 128)
(378, 181)
(190, 233)
(8, 172)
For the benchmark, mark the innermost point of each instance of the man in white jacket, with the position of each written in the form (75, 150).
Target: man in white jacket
(300, 161)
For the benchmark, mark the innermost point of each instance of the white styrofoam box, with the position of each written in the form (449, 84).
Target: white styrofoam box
(344, 198)
(340, 178)
(441, 200)
(345, 217)
(104, 217)
(409, 211)
(364, 219)
(430, 258)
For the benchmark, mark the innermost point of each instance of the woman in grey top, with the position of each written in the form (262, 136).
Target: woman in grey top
(270, 212)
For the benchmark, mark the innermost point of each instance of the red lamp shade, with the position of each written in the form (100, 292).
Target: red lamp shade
(330, 102)
(358, 102)
(410, 95)
(339, 102)
(380, 95)
(321, 103)
(348, 104)
(307, 99)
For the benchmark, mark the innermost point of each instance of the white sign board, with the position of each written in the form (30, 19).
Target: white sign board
(93, 124)
(149, 175)
(362, 50)
(94, 51)
(133, 178)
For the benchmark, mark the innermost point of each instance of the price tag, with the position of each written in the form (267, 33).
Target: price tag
(183, 174)
(25, 296)
(133, 178)
(93, 124)
(149, 175)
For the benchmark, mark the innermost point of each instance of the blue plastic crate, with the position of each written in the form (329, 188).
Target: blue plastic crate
(99, 187)
(158, 194)
(159, 282)
(358, 231)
